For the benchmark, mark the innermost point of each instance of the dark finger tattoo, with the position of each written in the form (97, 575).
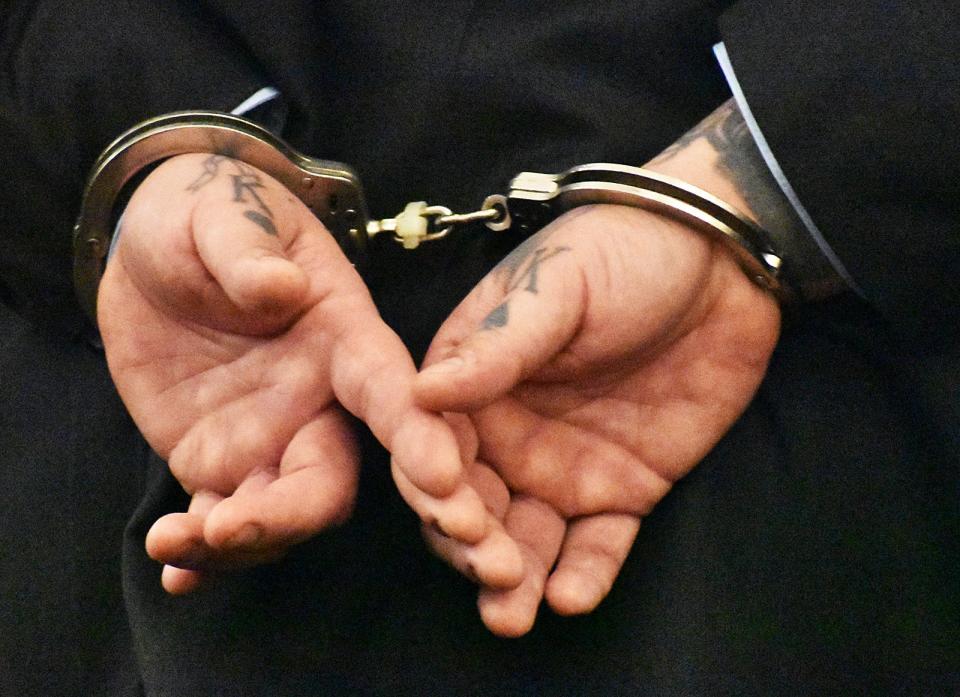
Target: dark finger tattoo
(211, 168)
(521, 269)
(498, 317)
(261, 220)
(531, 273)
(245, 183)
(741, 163)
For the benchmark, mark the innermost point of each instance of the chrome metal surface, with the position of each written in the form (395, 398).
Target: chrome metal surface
(330, 189)
(333, 192)
(535, 199)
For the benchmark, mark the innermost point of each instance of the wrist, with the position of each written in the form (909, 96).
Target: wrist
(698, 164)
(721, 157)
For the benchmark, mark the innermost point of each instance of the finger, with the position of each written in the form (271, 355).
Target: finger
(592, 555)
(461, 514)
(495, 559)
(494, 562)
(218, 561)
(491, 343)
(242, 228)
(221, 450)
(372, 376)
(178, 539)
(205, 235)
(465, 434)
(491, 488)
(487, 483)
(539, 531)
(183, 581)
(314, 488)
(242, 249)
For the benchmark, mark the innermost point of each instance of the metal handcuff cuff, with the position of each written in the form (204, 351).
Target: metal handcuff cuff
(334, 194)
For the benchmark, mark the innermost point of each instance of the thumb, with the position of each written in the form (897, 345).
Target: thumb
(208, 237)
(251, 265)
(522, 315)
(243, 242)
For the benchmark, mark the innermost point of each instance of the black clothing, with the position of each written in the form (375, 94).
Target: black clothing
(814, 551)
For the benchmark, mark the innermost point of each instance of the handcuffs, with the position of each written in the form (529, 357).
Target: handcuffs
(334, 194)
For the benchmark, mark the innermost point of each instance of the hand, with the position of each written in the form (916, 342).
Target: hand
(234, 329)
(597, 364)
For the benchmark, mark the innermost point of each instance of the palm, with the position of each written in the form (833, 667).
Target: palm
(604, 435)
(193, 384)
(636, 349)
(233, 337)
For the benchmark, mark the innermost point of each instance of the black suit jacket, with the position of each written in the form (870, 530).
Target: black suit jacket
(813, 551)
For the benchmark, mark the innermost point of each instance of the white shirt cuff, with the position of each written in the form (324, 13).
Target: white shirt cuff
(257, 99)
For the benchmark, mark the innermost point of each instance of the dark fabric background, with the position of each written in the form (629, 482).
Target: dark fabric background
(813, 552)
(878, 170)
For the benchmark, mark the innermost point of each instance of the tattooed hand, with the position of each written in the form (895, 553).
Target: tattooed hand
(595, 367)
(235, 329)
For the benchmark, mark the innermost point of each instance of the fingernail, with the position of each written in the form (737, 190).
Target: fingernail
(448, 365)
(247, 536)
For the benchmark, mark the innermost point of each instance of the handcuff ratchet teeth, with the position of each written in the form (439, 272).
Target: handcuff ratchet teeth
(333, 192)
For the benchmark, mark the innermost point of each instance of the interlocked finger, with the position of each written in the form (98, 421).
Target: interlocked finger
(455, 515)
(494, 562)
(538, 529)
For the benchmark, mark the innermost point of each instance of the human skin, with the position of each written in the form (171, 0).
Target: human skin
(591, 392)
(240, 337)
(595, 367)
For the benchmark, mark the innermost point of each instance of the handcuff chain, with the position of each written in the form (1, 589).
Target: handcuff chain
(419, 222)
(332, 191)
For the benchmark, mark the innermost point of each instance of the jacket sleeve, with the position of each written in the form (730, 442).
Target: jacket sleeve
(860, 103)
(73, 76)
